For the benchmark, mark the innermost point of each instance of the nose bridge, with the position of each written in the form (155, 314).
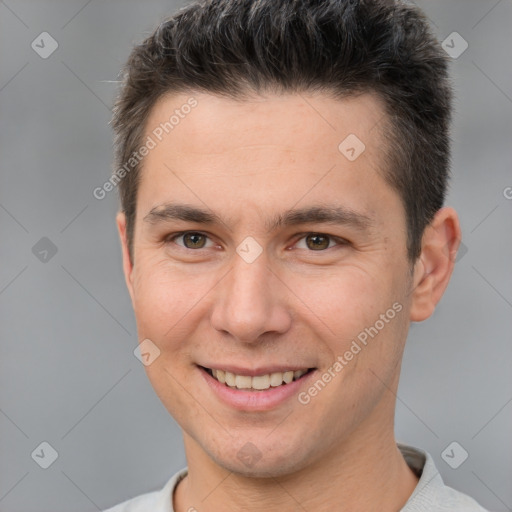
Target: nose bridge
(248, 304)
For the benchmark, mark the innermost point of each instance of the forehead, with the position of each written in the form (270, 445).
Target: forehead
(295, 122)
(264, 150)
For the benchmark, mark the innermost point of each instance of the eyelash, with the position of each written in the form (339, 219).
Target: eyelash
(340, 241)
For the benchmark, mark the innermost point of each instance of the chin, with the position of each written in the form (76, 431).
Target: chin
(270, 461)
(261, 469)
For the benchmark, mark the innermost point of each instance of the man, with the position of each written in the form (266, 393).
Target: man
(282, 168)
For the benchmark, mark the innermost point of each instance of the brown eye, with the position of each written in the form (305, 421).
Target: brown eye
(317, 242)
(194, 240)
(189, 240)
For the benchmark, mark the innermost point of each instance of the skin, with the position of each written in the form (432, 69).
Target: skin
(296, 304)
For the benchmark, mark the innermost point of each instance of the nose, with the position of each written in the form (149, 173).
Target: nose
(250, 302)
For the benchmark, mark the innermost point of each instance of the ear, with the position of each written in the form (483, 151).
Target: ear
(434, 267)
(127, 263)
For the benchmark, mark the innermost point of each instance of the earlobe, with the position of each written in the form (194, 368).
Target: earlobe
(434, 267)
(127, 263)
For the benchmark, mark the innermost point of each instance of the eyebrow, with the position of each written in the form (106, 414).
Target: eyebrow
(336, 215)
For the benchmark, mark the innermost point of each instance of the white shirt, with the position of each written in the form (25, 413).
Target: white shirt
(430, 494)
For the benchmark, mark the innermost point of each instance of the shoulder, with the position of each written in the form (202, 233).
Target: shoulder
(156, 501)
(431, 493)
(451, 500)
(139, 504)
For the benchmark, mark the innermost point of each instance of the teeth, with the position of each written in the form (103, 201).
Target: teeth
(276, 379)
(259, 382)
(243, 382)
(288, 377)
(230, 379)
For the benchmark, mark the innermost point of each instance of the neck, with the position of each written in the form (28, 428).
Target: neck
(367, 472)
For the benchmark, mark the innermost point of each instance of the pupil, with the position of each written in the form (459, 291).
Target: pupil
(318, 241)
(195, 239)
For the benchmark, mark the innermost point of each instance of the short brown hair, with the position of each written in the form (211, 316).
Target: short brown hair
(345, 47)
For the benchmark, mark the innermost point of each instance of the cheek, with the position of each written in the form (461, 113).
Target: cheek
(345, 301)
(159, 299)
(361, 317)
(168, 301)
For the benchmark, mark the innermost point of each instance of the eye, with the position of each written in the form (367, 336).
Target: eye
(319, 242)
(190, 240)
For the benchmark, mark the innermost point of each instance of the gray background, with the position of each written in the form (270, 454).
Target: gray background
(68, 375)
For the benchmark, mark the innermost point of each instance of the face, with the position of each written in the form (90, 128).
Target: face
(262, 247)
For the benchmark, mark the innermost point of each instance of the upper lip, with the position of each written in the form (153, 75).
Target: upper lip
(253, 372)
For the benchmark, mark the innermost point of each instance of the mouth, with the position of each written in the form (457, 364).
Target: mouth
(257, 382)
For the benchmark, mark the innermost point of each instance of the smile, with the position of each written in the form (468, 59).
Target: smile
(257, 382)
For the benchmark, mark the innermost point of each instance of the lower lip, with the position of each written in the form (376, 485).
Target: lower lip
(255, 400)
